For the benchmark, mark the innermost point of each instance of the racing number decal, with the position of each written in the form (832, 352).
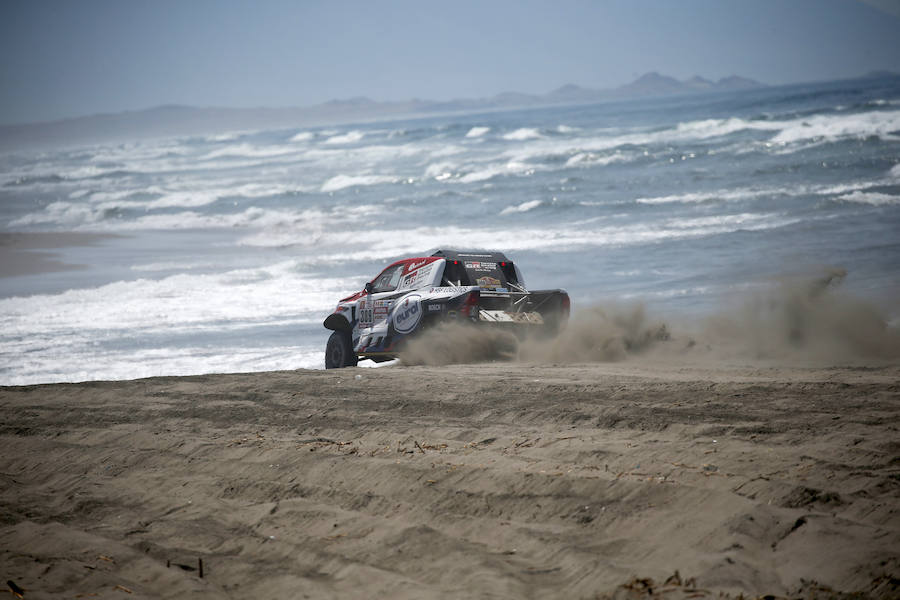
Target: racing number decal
(373, 311)
(366, 314)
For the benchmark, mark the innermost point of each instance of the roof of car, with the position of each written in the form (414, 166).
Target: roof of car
(452, 254)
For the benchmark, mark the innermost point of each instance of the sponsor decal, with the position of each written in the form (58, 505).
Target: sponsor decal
(448, 290)
(434, 307)
(488, 283)
(407, 314)
(415, 265)
(416, 278)
(481, 266)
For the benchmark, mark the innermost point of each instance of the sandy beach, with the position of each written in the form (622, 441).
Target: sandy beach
(504, 480)
(27, 253)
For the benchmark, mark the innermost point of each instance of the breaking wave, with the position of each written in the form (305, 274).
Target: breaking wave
(477, 132)
(525, 133)
(520, 208)
(339, 182)
(873, 198)
(351, 137)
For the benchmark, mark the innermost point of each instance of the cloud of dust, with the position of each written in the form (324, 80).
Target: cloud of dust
(805, 317)
(594, 334)
(798, 318)
(599, 334)
(454, 343)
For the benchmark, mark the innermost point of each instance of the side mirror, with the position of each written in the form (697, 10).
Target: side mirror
(368, 287)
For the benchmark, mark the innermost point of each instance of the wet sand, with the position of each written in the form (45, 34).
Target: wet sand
(25, 253)
(471, 481)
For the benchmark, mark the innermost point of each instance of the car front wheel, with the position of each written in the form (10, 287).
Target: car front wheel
(339, 351)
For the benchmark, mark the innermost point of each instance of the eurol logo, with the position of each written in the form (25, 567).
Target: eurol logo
(407, 314)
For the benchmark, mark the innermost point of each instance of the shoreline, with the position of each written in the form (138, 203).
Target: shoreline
(23, 253)
(508, 480)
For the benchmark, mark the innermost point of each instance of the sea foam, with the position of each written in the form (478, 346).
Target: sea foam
(525, 133)
(873, 198)
(477, 132)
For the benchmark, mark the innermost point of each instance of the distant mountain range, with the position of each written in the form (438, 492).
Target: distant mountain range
(173, 120)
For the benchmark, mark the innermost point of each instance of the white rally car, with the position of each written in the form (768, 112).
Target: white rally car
(412, 294)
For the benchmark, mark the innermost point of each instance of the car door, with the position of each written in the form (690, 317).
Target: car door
(375, 307)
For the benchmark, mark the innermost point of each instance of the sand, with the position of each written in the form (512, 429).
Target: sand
(25, 253)
(469, 481)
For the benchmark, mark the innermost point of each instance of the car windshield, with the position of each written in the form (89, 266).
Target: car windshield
(388, 280)
(487, 274)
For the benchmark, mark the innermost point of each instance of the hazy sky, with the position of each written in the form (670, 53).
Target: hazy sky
(70, 58)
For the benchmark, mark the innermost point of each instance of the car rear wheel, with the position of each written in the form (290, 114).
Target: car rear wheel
(554, 318)
(339, 351)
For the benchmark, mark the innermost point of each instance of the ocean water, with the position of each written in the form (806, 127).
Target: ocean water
(229, 250)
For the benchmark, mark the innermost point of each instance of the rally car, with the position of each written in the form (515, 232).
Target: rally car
(410, 295)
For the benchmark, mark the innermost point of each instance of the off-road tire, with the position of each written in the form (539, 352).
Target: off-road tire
(339, 351)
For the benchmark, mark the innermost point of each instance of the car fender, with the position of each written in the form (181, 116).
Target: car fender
(337, 322)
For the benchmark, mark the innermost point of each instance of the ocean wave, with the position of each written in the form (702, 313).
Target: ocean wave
(522, 134)
(303, 136)
(105, 208)
(738, 194)
(178, 303)
(370, 156)
(717, 195)
(114, 330)
(883, 124)
(107, 217)
(441, 171)
(490, 171)
(446, 150)
(340, 182)
(171, 266)
(708, 128)
(354, 244)
(63, 173)
(596, 159)
(249, 151)
(351, 137)
(520, 208)
(872, 198)
(88, 363)
(736, 220)
(229, 136)
(786, 135)
(477, 132)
